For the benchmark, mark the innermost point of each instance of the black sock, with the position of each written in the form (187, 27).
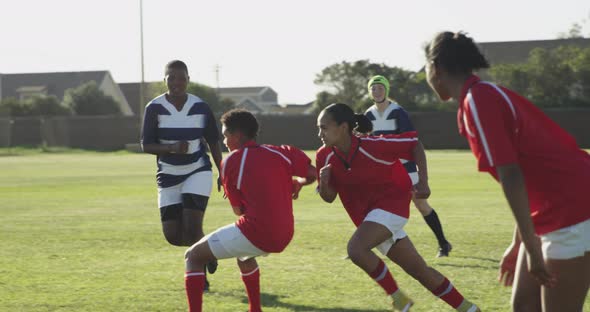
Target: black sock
(434, 223)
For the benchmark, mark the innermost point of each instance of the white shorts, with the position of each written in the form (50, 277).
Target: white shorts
(567, 243)
(229, 242)
(199, 183)
(394, 223)
(414, 177)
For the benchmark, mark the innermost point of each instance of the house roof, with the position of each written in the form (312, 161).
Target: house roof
(56, 83)
(293, 109)
(239, 90)
(513, 52)
(131, 92)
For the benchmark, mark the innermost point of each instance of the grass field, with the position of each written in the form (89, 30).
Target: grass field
(80, 231)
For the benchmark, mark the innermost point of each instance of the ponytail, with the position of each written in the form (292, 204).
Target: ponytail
(363, 124)
(343, 113)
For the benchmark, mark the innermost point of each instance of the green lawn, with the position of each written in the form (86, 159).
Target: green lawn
(80, 231)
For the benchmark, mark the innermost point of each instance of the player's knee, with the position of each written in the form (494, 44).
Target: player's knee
(187, 253)
(174, 239)
(423, 206)
(192, 235)
(355, 251)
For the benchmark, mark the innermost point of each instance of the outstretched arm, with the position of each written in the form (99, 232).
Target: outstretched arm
(215, 148)
(299, 182)
(180, 147)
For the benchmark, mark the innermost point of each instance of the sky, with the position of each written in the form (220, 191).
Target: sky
(281, 44)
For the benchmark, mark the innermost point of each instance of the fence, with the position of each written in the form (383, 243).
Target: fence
(438, 130)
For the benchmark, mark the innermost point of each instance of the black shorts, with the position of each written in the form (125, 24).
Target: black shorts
(189, 201)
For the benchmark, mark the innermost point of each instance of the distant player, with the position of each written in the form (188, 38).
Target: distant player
(176, 126)
(545, 178)
(359, 171)
(258, 181)
(388, 117)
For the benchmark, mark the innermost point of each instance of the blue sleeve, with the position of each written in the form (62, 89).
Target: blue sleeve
(211, 132)
(149, 131)
(404, 124)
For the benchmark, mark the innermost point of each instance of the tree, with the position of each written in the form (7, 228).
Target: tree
(47, 106)
(206, 93)
(577, 29)
(557, 78)
(88, 99)
(322, 100)
(346, 82)
(13, 107)
(35, 106)
(574, 32)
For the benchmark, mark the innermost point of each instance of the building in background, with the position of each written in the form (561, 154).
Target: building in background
(255, 99)
(26, 85)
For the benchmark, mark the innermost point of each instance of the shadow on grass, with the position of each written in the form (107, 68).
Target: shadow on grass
(274, 301)
(271, 300)
(474, 266)
(497, 261)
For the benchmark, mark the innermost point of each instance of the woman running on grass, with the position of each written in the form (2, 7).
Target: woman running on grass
(360, 170)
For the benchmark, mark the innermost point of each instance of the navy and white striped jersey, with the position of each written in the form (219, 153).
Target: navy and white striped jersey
(394, 120)
(194, 123)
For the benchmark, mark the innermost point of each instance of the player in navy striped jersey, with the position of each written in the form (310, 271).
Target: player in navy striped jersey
(176, 126)
(388, 117)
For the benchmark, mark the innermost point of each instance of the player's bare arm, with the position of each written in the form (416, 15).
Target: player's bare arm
(238, 211)
(299, 182)
(180, 147)
(215, 149)
(513, 185)
(422, 190)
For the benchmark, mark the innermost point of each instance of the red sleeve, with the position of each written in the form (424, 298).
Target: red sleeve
(491, 127)
(320, 161)
(229, 177)
(394, 146)
(299, 161)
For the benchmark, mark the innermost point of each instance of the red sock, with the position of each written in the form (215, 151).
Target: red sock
(447, 292)
(383, 277)
(194, 282)
(252, 283)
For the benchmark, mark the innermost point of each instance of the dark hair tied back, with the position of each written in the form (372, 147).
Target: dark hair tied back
(363, 124)
(455, 52)
(343, 113)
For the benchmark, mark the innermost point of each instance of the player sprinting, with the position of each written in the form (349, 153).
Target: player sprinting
(544, 175)
(359, 171)
(175, 126)
(258, 181)
(388, 117)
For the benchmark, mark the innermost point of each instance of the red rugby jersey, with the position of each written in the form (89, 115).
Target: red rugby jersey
(504, 128)
(364, 179)
(258, 178)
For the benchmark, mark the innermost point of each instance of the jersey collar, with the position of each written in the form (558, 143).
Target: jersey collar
(473, 79)
(250, 143)
(349, 157)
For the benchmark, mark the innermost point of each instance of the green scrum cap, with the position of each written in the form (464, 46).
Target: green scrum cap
(379, 80)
